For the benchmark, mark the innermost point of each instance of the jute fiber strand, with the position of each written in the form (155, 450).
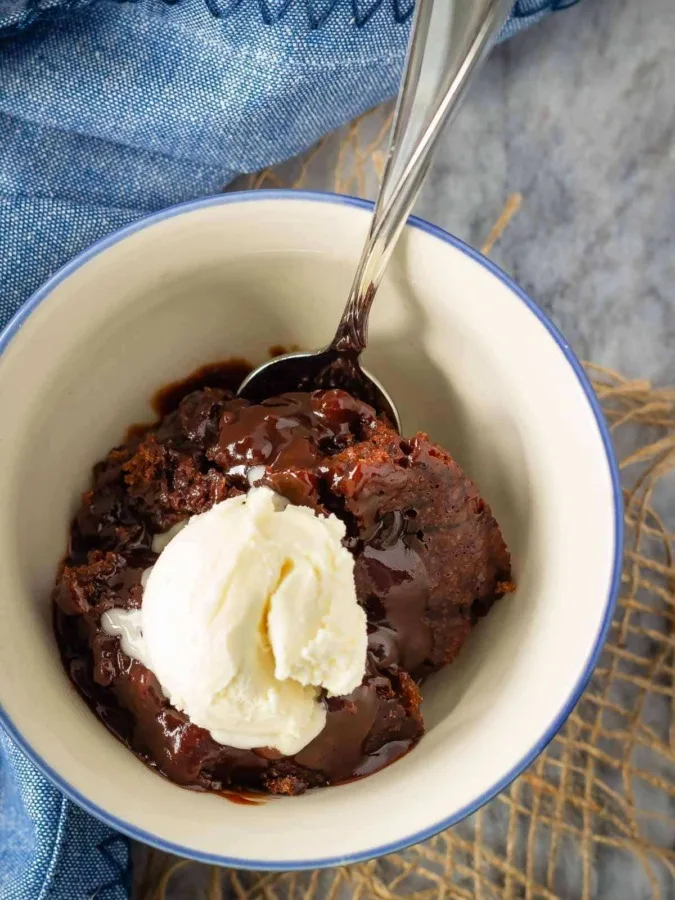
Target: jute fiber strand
(594, 816)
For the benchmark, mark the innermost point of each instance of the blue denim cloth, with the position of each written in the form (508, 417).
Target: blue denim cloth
(109, 110)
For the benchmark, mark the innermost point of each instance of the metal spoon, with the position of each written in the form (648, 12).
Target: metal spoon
(449, 38)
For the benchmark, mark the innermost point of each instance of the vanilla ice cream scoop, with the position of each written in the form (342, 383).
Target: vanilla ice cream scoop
(249, 611)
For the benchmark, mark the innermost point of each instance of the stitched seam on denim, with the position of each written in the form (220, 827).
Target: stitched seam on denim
(56, 849)
(32, 16)
(123, 876)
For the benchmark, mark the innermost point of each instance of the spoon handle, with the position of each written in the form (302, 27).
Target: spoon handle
(448, 39)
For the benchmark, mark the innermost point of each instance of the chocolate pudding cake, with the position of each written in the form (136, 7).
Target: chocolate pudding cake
(428, 561)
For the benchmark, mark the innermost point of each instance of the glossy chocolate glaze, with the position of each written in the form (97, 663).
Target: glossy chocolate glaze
(429, 558)
(327, 370)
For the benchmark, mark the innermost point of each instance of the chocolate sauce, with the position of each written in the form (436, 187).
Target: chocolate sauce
(242, 799)
(226, 375)
(429, 558)
(327, 370)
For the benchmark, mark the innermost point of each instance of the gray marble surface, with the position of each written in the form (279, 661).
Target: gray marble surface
(578, 116)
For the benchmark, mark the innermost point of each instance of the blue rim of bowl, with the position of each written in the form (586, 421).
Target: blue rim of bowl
(320, 197)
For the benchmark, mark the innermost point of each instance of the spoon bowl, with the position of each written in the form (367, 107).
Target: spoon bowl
(325, 369)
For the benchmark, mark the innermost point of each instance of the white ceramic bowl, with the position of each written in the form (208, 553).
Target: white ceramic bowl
(468, 357)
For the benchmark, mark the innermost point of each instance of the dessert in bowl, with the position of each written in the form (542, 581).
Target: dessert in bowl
(255, 591)
(468, 359)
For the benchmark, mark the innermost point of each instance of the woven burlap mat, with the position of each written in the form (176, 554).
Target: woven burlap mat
(601, 798)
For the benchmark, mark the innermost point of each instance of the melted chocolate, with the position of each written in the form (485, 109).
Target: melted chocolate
(429, 558)
(328, 370)
(226, 375)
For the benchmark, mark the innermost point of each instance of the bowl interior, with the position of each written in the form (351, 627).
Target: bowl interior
(466, 360)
